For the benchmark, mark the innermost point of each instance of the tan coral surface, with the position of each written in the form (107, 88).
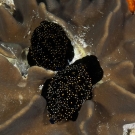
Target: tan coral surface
(104, 28)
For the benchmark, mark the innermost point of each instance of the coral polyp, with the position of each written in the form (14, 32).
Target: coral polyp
(50, 47)
(131, 5)
(70, 88)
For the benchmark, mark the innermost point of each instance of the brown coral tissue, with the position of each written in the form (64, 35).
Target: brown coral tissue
(103, 28)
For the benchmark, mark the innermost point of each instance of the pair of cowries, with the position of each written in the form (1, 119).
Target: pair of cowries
(72, 85)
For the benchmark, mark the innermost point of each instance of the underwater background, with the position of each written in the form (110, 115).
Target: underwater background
(102, 28)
